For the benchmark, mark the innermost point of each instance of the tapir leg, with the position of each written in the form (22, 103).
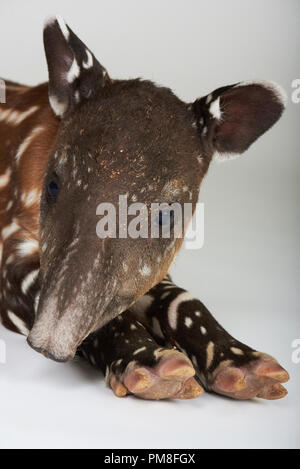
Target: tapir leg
(223, 364)
(134, 363)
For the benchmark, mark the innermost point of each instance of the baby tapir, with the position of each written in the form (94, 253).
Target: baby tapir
(84, 139)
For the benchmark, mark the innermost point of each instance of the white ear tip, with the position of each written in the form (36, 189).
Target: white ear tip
(277, 90)
(60, 20)
(49, 20)
(63, 26)
(61, 23)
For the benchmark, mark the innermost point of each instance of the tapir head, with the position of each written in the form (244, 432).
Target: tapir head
(132, 139)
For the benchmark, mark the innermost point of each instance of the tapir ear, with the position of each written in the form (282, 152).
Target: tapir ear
(233, 117)
(74, 72)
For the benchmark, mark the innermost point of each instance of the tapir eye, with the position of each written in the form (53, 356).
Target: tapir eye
(53, 190)
(166, 217)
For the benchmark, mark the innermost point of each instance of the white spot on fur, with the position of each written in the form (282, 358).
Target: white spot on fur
(164, 295)
(236, 351)
(31, 198)
(25, 144)
(225, 156)
(28, 247)
(10, 259)
(58, 107)
(9, 230)
(15, 117)
(4, 115)
(188, 322)
(19, 323)
(215, 109)
(8, 205)
(77, 96)
(203, 330)
(209, 354)
(139, 350)
(133, 327)
(172, 310)
(89, 62)
(5, 178)
(145, 270)
(28, 280)
(23, 115)
(73, 72)
(198, 313)
(36, 301)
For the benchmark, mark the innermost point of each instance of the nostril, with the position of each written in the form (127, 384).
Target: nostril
(47, 354)
(38, 349)
(31, 345)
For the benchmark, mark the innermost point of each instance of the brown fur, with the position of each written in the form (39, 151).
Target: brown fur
(112, 137)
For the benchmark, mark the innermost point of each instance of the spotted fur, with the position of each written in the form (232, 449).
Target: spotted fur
(111, 300)
(186, 323)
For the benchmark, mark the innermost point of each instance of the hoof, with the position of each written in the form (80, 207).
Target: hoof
(261, 378)
(171, 378)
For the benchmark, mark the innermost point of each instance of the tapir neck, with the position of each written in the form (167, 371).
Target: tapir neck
(28, 130)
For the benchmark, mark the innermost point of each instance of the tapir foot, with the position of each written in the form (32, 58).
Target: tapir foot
(171, 378)
(223, 364)
(261, 377)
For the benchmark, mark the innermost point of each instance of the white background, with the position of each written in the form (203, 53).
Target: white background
(248, 270)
